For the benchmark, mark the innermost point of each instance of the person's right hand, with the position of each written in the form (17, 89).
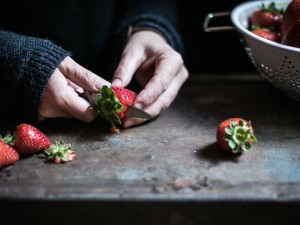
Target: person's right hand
(60, 98)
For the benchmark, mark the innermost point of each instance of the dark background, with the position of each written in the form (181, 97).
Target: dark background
(213, 52)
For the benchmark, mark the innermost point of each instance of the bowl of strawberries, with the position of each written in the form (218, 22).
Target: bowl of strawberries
(270, 33)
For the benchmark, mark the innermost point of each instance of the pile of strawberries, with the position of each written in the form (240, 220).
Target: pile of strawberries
(278, 25)
(28, 140)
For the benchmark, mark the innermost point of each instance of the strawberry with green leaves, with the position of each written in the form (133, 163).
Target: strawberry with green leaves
(235, 135)
(112, 104)
(8, 155)
(266, 17)
(30, 140)
(8, 139)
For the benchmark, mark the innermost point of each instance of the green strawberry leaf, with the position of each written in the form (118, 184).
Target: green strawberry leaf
(108, 105)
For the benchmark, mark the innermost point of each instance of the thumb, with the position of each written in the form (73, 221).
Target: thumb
(81, 76)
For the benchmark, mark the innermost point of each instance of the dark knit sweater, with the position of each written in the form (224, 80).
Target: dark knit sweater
(36, 35)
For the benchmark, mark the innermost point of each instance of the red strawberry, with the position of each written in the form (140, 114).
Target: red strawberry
(267, 34)
(60, 152)
(292, 37)
(30, 140)
(290, 16)
(266, 17)
(8, 155)
(235, 135)
(112, 103)
(126, 97)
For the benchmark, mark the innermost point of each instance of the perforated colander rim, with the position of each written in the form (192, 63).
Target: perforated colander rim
(244, 7)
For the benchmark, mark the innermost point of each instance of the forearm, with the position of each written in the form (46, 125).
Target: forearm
(26, 63)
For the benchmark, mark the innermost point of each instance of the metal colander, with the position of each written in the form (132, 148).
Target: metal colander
(279, 64)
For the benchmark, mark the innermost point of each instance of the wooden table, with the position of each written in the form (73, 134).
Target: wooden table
(169, 170)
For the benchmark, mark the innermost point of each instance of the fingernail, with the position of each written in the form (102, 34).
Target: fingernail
(80, 90)
(139, 105)
(98, 86)
(116, 82)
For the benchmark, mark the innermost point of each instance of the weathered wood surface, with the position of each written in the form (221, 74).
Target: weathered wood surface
(174, 160)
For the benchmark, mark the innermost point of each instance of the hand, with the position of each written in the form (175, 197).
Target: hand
(60, 98)
(156, 66)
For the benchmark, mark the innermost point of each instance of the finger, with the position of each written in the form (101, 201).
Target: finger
(54, 114)
(77, 107)
(60, 100)
(69, 105)
(81, 76)
(163, 101)
(75, 86)
(130, 61)
(168, 65)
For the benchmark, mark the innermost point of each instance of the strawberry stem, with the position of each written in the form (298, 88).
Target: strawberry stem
(59, 150)
(8, 138)
(271, 8)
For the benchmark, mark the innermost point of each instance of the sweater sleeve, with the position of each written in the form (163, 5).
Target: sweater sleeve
(26, 64)
(157, 14)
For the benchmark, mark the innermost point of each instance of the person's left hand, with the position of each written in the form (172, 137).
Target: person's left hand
(156, 66)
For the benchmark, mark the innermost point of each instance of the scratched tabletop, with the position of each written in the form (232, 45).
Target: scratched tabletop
(170, 169)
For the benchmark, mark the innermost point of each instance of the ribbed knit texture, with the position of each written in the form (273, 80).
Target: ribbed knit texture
(158, 23)
(157, 14)
(27, 63)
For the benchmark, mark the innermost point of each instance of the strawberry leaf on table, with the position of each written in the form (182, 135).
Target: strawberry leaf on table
(60, 152)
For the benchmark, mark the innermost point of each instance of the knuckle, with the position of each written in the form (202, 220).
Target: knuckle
(147, 97)
(162, 80)
(165, 103)
(84, 75)
(185, 74)
(178, 58)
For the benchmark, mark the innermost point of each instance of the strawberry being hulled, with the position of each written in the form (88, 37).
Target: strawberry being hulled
(112, 104)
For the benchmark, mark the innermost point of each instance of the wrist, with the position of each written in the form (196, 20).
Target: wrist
(131, 30)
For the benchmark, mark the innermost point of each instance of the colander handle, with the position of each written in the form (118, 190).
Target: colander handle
(211, 16)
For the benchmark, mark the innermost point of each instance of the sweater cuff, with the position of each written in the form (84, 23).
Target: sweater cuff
(44, 59)
(155, 22)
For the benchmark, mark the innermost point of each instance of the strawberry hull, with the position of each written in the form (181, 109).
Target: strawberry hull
(112, 104)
